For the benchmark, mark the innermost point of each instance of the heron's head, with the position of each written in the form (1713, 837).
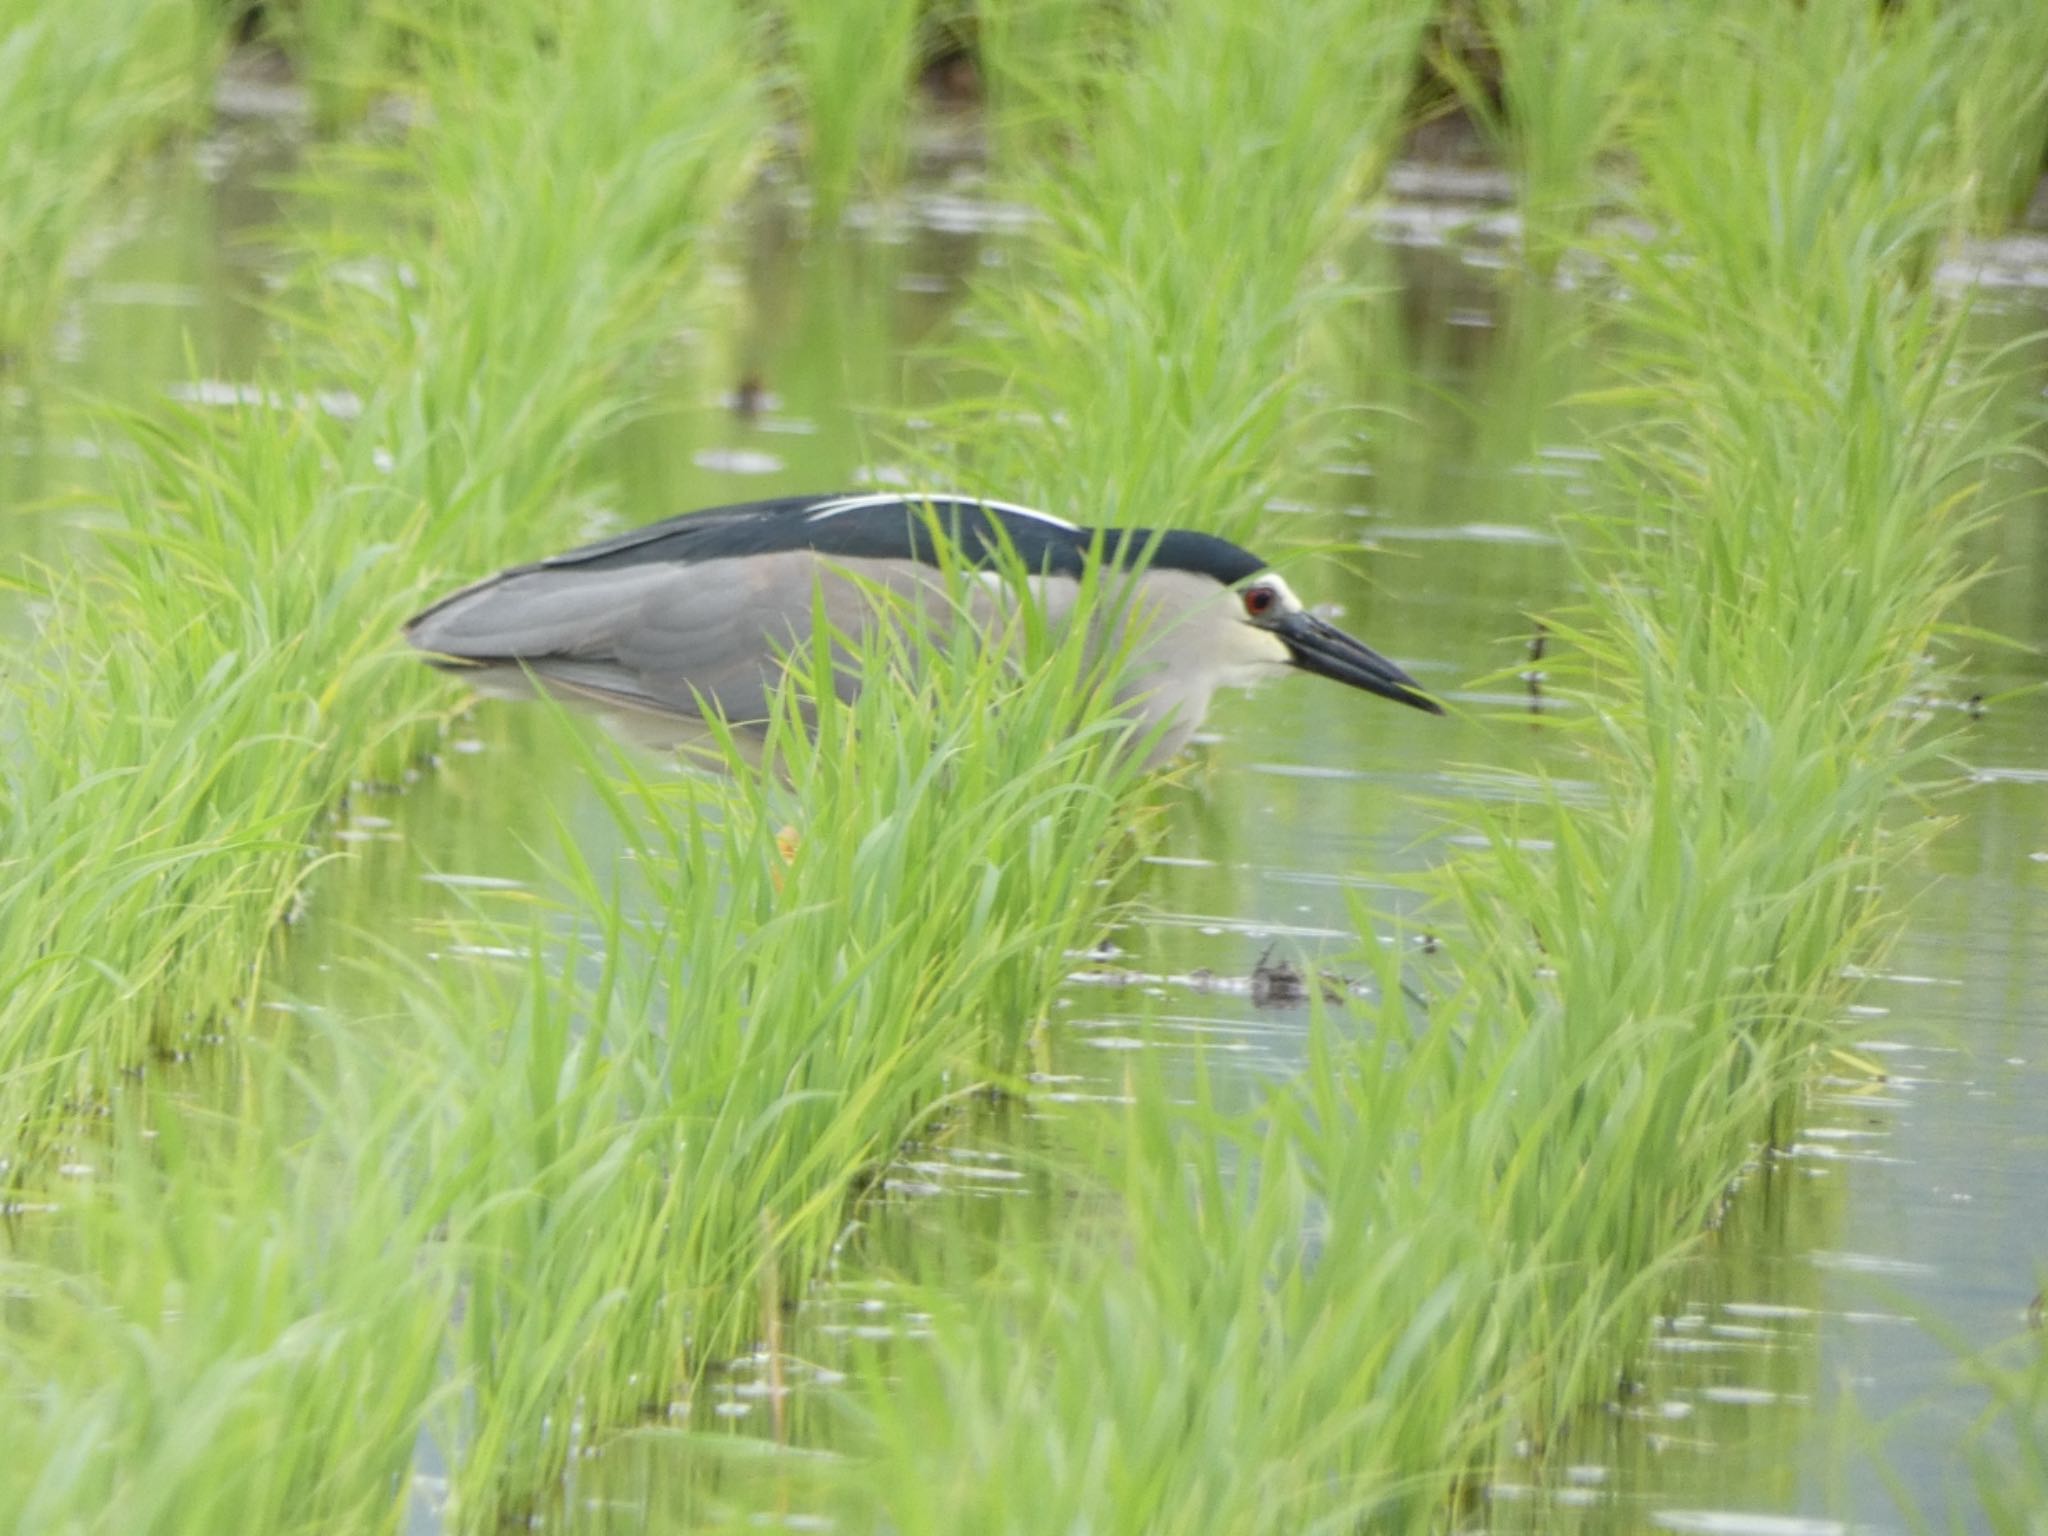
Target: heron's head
(1247, 623)
(1267, 606)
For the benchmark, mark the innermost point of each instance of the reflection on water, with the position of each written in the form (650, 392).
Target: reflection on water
(1897, 1197)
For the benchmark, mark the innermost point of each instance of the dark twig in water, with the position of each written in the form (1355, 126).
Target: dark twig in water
(748, 396)
(1538, 644)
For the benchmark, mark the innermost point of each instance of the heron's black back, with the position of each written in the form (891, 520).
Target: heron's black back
(900, 526)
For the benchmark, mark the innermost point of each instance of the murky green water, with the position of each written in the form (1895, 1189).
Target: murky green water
(1916, 1195)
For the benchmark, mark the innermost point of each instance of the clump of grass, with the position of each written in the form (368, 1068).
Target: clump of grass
(2010, 1465)
(660, 1135)
(853, 68)
(1566, 74)
(153, 835)
(203, 696)
(348, 52)
(2004, 104)
(86, 91)
(778, 1022)
(234, 1330)
(1147, 352)
(1443, 1236)
(1287, 1331)
(1043, 65)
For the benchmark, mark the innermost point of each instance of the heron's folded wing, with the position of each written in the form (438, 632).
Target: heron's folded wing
(722, 633)
(717, 631)
(662, 636)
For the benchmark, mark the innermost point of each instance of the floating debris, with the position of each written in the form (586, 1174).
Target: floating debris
(748, 397)
(1278, 984)
(737, 461)
(1533, 677)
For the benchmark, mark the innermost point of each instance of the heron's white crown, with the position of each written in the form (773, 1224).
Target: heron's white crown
(840, 504)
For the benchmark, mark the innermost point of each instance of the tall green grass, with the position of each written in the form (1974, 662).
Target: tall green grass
(1341, 1309)
(853, 69)
(2004, 107)
(201, 698)
(1147, 358)
(556, 1192)
(783, 1021)
(523, 1207)
(86, 92)
(348, 53)
(234, 1327)
(1565, 73)
(626, 1179)
(1044, 64)
(1552, 90)
(2010, 1465)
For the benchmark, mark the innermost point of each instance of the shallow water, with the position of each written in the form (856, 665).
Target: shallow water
(1914, 1196)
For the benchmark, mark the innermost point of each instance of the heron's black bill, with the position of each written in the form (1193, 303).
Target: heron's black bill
(1327, 651)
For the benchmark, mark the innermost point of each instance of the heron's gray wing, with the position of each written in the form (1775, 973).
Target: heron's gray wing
(663, 636)
(717, 631)
(720, 632)
(532, 613)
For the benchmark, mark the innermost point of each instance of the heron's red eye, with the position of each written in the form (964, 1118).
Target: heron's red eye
(1258, 601)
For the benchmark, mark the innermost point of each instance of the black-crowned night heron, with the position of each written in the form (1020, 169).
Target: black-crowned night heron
(669, 622)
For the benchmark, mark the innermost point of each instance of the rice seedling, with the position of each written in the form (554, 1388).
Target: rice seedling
(233, 1327)
(86, 91)
(201, 698)
(1447, 1233)
(1566, 72)
(522, 1205)
(1996, 1477)
(2011, 1468)
(780, 1022)
(2003, 107)
(346, 52)
(853, 69)
(1043, 65)
(620, 1179)
(1146, 354)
